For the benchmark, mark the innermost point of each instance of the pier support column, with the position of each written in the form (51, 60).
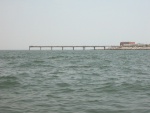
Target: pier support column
(73, 48)
(94, 48)
(51, 48)
(40, 48)
(29, 47)
(83, 48)
(62, 48)
(104, 47)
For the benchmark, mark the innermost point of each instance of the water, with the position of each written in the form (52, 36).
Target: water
(75, 81)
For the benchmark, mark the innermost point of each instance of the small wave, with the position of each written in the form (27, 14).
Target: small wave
(8, 81)
(142, 73)
(56, 57)
(63, 84)
(108, 61)
(26, 64)
(38, 61)
(52, 57)
(46, 65)
(135, 86)
(53, 96)
(24, 73)
(9, 84)
(8, 110)
(105, 67)
(8, 57)
(11, 63)
(66, 90)
(72, 66)
(94, 111)
(8, 77)
(85, 66)
(80, 66)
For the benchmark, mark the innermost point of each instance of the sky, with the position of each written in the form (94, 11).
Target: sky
(72, 22)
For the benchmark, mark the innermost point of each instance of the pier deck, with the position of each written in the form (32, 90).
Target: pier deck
(73, 47)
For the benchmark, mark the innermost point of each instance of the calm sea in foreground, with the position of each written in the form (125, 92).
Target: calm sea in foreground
(75, 81)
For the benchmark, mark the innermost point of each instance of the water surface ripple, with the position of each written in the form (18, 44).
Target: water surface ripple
(75, 81)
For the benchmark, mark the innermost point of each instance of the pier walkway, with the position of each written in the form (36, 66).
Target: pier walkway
(73, 47)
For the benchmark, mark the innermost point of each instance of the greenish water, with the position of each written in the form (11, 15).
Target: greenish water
(75, 81)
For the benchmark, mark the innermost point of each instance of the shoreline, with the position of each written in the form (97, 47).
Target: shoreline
(128, 48)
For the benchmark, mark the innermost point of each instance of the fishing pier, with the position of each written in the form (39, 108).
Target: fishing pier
(73, 47)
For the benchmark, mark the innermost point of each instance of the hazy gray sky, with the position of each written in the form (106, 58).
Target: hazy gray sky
(73, 22)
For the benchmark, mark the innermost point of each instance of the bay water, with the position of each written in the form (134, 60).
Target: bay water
(100, 81)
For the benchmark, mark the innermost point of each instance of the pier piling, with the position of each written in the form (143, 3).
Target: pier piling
(83, 48)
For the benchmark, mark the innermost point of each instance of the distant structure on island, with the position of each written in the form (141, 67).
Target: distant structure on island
(132, 46)
(126, 43)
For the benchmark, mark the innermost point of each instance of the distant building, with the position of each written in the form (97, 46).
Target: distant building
(126, 43)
